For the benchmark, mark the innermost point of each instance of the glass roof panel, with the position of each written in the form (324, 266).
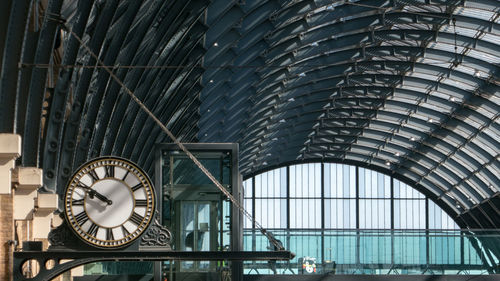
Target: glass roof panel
(474, 13)
(490, 58)
(473, 33)
(492, 38)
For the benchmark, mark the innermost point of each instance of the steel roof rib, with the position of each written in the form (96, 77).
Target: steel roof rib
(167, 93)
(88, 120)
(80, 97)
(60, 99)
(125, 57)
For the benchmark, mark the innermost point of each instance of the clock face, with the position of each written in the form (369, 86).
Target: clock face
(109, 202)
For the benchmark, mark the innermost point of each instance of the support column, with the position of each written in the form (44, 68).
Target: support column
(10, 150)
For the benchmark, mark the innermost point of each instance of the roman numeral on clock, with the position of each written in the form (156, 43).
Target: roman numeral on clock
(109, 234)
(136, 218)
(125, 176)
(81, 218)
(110, 171)
(136, 187)
(141, 203)
(93, 175)
(93, 229)
(82, 185)
(78, 202)
(125, 231)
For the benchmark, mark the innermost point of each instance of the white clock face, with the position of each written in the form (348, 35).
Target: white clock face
(109, 202)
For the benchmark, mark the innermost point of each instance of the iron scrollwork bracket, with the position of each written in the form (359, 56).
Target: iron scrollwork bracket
(157, 236)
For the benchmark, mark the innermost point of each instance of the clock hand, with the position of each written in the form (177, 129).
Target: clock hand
(93, 192)
(101, 197)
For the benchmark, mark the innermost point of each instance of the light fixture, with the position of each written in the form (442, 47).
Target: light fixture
(314, 44)
(208, 110)
(216, 44)
(303, 74)
(282, 121)
(274, 139)
(430, 120)
(453, 99)
(412, 138)
(264, 163)
(211, 81)
(397, 154)
(268, 154)
(477, 73)
(387, 163)
(330, 8)
(291, 99)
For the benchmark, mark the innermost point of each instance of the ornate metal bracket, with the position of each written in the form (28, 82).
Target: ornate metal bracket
(157, 236)
(63, 238)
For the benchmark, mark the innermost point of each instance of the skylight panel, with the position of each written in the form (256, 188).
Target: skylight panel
(459, 84)
(492, 38)
(459, 30)
(474, 13)
(484, 56)
(425, 9)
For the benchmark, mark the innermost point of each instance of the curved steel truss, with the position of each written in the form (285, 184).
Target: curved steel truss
(409, 88)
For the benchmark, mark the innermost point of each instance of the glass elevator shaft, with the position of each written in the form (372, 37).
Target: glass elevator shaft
(199, 215)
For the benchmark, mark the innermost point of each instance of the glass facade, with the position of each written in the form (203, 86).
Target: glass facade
(353, 220)
(269, 200)
(338, 196)
(199, 215)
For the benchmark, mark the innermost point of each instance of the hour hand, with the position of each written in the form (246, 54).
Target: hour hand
(91, 192)
(99, 196)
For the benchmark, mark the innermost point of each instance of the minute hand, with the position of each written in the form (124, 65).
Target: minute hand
(99, 196)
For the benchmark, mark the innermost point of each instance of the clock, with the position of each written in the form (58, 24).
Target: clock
(109, 202)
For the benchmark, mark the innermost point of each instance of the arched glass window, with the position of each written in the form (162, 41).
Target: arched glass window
(353, 220)
(338, 196)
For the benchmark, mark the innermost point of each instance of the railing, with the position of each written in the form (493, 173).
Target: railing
(379, 252)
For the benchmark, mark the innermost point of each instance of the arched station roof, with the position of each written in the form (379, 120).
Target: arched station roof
(409, 88)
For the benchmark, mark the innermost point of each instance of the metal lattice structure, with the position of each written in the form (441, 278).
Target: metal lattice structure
(408, 88)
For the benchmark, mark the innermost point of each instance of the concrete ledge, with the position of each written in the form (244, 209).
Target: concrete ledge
(46, 202)
(41, 224)
(10, 146)
(28, 177)
(10, 149)
(6, 166)
(24, 200)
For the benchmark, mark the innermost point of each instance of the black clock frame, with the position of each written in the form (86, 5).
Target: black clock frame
(132, 245)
